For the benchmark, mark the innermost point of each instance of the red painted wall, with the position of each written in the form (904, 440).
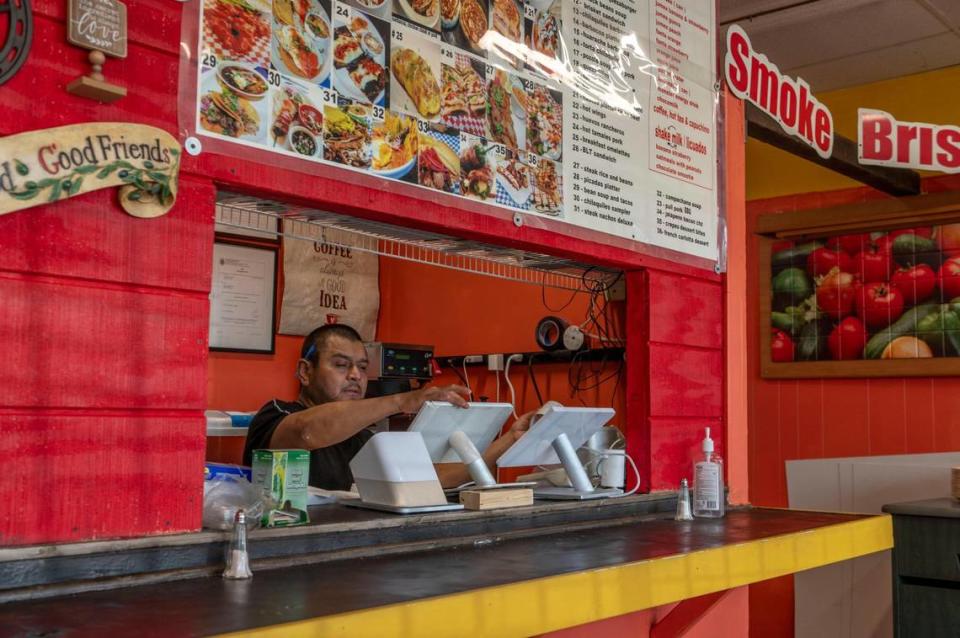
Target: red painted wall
(104, 316)
(824, 418)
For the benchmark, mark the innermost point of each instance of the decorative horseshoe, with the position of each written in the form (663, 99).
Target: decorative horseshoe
(16, 45)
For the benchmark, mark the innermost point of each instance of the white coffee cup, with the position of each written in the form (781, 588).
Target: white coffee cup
(611, 467)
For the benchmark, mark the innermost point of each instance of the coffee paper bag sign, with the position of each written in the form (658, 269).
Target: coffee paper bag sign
(327, 281)
(98, 24)
(41, 167)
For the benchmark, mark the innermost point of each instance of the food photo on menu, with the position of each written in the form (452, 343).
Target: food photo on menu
(232, 101)
(415, 74)
(464, 94)
(346, 133)
(506, 109)
(478, 165)
(544, 120)
(300, 46)
(464, 22)
(394, 147)
(361, 48)
(236, 30)
(547, 178)
(514, 187)
(438, 164)
(542, 28)
(424, 14)
(506, 19)
(297, 119)
(376, 8)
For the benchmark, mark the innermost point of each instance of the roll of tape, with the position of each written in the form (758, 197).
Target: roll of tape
(550, 333)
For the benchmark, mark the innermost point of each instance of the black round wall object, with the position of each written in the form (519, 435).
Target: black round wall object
(17, 39)
(550, 333)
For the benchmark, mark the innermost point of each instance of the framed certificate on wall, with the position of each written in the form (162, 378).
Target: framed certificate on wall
(243, 298)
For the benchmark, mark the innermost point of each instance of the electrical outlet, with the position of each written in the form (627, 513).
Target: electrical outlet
(495, 362)
(473, 358)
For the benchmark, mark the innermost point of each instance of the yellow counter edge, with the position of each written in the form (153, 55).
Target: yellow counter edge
(555, 602)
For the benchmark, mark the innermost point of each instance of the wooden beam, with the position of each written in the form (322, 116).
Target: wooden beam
(884, 214)
(893, 181)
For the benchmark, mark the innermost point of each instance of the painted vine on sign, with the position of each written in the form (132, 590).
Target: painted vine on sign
(46, 166)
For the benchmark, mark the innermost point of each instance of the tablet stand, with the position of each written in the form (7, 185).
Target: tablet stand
(582, 488)
(393, 473)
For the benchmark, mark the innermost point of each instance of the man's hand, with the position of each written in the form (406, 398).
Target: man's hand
(455, 394)
(521, 425)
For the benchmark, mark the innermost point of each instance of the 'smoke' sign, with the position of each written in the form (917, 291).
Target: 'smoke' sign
(752, 77)
(883, 141)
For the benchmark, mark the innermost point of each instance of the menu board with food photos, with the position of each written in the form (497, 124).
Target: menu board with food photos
(560, 108)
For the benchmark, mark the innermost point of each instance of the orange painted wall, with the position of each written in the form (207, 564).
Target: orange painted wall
(802, 419)
(458, 313)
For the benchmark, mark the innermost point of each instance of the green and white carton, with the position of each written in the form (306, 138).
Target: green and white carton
(283, 475)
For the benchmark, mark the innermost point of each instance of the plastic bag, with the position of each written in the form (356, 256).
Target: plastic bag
(224, 494)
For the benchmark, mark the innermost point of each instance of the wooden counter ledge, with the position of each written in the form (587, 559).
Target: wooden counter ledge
(521, 586)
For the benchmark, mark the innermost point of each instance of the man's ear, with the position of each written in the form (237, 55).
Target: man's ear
(303, 370)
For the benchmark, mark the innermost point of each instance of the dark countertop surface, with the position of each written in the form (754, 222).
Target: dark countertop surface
(204, 606)
(944, 507)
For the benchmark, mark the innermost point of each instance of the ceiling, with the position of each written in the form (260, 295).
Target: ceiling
(834, 44)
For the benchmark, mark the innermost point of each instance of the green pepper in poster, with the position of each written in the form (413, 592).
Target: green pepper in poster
(790, 286)
(904, 326)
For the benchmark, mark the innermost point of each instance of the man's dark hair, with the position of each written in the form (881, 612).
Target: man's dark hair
(314, 342)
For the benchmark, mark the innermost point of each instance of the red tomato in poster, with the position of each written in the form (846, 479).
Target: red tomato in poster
(948, 239)
(848, 340)
(783, 244)
(926, 233)
(879, 304)
(781, 347)
(949, 278)
(915, 283)
(850, 244)
(835, 294)
(873, 265)
(884, 243)
(822, 260)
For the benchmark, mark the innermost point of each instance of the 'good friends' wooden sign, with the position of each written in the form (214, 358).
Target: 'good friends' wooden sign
(46, 166)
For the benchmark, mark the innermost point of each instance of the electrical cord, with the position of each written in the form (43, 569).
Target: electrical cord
(533, 379)
(636, 473)
(506, 376)
(466, 377)
(543, 297)
(497, 375)
(457, 372)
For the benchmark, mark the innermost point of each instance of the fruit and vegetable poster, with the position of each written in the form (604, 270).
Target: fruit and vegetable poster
(599, 114)
(883, 295)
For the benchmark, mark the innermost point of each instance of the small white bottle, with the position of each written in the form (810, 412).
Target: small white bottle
(708, 493)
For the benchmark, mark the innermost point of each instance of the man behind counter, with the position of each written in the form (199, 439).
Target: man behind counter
(331, 415)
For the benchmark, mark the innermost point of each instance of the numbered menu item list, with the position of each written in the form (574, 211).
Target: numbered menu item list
(681, 119)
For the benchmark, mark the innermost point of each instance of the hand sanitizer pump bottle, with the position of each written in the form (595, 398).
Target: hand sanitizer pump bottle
(708, 493)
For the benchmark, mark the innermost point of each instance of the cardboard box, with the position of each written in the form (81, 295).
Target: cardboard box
(283, 475)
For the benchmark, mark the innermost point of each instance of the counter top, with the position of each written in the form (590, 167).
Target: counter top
(520, 586)
(944, 507)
